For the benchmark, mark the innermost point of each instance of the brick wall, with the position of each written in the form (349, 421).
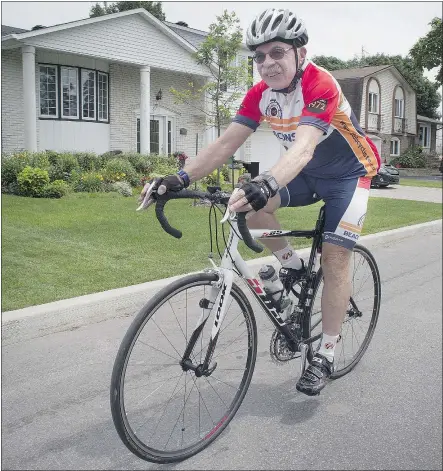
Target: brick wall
(125, 102)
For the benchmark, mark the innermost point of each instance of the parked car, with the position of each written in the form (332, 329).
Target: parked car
(387, 175)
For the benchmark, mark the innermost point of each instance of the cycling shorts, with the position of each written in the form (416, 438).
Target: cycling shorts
(346, 202)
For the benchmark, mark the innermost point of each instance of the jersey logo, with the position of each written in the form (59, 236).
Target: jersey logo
(317, 106)
(274, 109)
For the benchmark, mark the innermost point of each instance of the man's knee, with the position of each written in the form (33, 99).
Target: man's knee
(335, 260)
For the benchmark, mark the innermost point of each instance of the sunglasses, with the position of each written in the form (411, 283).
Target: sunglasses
(275, 53)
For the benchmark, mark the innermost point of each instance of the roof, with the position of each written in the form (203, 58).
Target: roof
(14, 38)
(428, 120)
(193, 36)
(358, 72)
(12, 30)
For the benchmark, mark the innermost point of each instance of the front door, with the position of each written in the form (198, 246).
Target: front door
(161, 135)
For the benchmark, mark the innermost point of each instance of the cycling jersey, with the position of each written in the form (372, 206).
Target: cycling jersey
(344, 151)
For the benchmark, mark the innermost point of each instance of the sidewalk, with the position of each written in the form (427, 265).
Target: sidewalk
(119, 295)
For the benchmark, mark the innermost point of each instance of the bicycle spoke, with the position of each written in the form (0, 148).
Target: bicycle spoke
(216, 392)
(165, 408)
(175, 315)
(158, 350)
(178, 418)
(166, 337)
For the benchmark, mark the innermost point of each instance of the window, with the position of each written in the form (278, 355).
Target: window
(103, 93)
(88, 94)
(424, 138)
(373, 102)
(399, 108)
(395, 147)
(73, 93)
(48, 91)
(69, 92)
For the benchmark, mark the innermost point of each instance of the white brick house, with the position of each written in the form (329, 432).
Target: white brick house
(103, 84)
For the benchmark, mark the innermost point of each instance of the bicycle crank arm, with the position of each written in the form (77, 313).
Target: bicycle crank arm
(303, 357)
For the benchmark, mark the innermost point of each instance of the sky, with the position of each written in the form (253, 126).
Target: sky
(340, 29)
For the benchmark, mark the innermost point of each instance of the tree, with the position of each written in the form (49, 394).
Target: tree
(427, 51)
(230, 77)
(155, 8)
(428, 98)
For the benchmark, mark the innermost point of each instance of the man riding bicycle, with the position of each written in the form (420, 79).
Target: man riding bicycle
(328, 157)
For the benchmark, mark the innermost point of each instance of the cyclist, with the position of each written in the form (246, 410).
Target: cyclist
(328, 157)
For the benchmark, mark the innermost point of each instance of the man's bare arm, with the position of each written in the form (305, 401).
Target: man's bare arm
(297, 157)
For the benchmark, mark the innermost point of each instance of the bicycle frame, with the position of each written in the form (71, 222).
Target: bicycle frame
(220, 291)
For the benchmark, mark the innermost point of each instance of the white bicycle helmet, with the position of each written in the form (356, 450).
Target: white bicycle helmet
(275, 24)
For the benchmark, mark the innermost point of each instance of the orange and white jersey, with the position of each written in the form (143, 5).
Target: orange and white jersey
(343, 151)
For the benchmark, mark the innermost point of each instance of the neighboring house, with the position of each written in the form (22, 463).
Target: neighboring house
(385, 105)
(427, 131)
(103, 84)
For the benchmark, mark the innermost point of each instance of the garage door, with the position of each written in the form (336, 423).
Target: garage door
(265, 149)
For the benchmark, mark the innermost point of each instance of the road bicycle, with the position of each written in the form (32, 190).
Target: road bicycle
(187, 359)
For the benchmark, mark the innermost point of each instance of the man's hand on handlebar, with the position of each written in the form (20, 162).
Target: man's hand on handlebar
(254, 195)
(160, 185)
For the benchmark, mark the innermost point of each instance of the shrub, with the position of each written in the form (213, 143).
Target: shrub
(226, 172)
(39, 160)
(55, 189)
(31, 181)
(89, 182)
(103, 159)
(119, 169)
(211, 179)
(412, 157)
(12, 165)
(124, 188)
(62, 165)
(88, 161)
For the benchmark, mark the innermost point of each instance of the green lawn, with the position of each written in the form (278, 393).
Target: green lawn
(84, 243)
(425, 183)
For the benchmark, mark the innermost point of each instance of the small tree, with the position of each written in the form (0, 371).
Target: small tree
(230, 76)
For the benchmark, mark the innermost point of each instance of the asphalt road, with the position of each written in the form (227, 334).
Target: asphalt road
(386, 414)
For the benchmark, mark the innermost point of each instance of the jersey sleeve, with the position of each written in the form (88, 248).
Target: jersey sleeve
(321, 96)
(249, 112)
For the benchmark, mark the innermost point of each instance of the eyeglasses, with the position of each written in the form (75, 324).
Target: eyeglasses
(275, 53)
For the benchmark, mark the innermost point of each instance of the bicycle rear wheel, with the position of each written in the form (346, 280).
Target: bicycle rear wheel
(161, 412)
(361, 316)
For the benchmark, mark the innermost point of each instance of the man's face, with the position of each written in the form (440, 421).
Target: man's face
(277, 73)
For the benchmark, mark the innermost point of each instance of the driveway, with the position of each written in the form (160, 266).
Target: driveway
(402, 192)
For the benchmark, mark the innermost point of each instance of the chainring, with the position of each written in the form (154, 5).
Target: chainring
(279, 349)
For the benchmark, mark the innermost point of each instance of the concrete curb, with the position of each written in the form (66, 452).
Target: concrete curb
(8, 316)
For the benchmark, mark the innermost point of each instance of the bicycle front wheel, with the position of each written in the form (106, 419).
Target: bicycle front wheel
(163, 412)
(361, 316)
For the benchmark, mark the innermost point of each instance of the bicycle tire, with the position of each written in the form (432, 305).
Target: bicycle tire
(128, 437)
(307, 319)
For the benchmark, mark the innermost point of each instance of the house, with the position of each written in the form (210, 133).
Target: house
(385, 105)
(427, 131)
(103, 84)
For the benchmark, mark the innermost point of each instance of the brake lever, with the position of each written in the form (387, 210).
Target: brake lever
(229, 214)
(144, 204)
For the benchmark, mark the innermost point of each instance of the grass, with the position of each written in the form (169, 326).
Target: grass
(424, 183)
(84, 243)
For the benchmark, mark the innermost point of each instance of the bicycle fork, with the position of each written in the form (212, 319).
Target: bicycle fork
(216, 302)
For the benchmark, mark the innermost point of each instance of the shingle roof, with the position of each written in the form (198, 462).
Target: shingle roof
(193, 36)
(358, 72)
(11, 30)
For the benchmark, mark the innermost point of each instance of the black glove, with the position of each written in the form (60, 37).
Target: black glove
(259, 190)
(164, 184)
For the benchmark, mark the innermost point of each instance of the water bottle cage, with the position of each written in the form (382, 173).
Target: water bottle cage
(276, 303)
